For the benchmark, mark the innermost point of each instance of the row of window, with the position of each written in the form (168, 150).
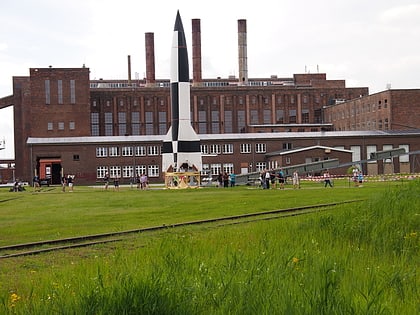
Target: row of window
(154, 150)
(151, 150)
(127, 171)
(72, 87)
(228, 100)
(60, 125)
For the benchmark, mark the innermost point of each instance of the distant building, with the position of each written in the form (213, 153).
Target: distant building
(67, 123)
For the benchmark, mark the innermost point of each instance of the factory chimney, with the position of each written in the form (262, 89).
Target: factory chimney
(129, 69)
(150, 59)
(196, 52)
(242, 49)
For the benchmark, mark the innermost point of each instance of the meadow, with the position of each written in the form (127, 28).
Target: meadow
(358, 258)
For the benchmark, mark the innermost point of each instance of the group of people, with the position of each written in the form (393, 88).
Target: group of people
(357, 177)
(141, 181)
(271, 179)
(225, 180)
(67, 181)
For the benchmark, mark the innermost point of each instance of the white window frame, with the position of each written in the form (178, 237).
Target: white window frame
(140, 150)
(153, 171)
(101, 152)
(153, 150)
(260, 148)
(114, 151)
(127, 151)
(101, 171)
(115, 171)
(141, 169)
(215, 168)
(228, 168)
(227, 148)
(245, 148)
(127, 171)
(204, 149)
(405, 158)
(260, 166)
(215, 149)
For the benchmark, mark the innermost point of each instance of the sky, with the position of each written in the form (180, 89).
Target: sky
(371, 44)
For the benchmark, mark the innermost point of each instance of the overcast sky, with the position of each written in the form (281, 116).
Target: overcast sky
(367, 43)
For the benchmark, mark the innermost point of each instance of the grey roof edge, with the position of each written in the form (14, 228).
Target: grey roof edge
(225, 136)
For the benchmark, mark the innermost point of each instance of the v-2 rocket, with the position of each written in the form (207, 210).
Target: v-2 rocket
(181, 146)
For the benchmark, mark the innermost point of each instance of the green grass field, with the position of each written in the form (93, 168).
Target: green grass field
(359, 258)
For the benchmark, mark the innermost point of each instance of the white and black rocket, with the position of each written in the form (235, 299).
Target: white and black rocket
(181, 146)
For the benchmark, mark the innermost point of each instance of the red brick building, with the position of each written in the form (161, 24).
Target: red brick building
(387, 110)
(65, 122)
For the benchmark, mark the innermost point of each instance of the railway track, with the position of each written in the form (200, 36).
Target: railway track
(34, 248)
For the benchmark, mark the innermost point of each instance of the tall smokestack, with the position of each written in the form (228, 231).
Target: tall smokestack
(243, 57)
(196, 51)
(150, 59)
(129, 68)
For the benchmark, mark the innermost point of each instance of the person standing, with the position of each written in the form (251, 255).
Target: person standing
(281, 178)
(106, 180)
(225, 180)
(70, 182)
(232, 180)
(116, 183)
(267, 179)
(296, 181)
(327, 179)
(63, 183)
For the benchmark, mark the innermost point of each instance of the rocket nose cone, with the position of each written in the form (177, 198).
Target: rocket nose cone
(178, 23)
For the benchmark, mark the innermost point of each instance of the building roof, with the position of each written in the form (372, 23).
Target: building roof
(225, 136)
(285, 152)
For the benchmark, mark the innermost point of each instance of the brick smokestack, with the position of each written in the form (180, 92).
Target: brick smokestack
(129, 68)
(150, 59)
(242, 49)
(196, 51)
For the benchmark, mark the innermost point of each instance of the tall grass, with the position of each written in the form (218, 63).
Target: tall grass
(356, 259)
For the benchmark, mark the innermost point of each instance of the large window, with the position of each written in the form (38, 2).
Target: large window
(94, 124)
(245, 148)
(127, 151)
(149, 123)
(202, 121)
(227, 148)
(109, 131)
(101, 171)
(101, 152)
(115, 171)
(370, 149)
(47, 92)
(228, 121)
(140, 150)
(241, 120)
(141, 169)
(135, 123)
(163, 128)
(60, 91)
(215, 149)
(216, 168)
(228, 168)
(153, 150)
(127, 171)
(72, 92)
(260, 166)
(114, 151)
(153, 171)
(122, 123)
(204, 149)
(404, 158)
(260, 148)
